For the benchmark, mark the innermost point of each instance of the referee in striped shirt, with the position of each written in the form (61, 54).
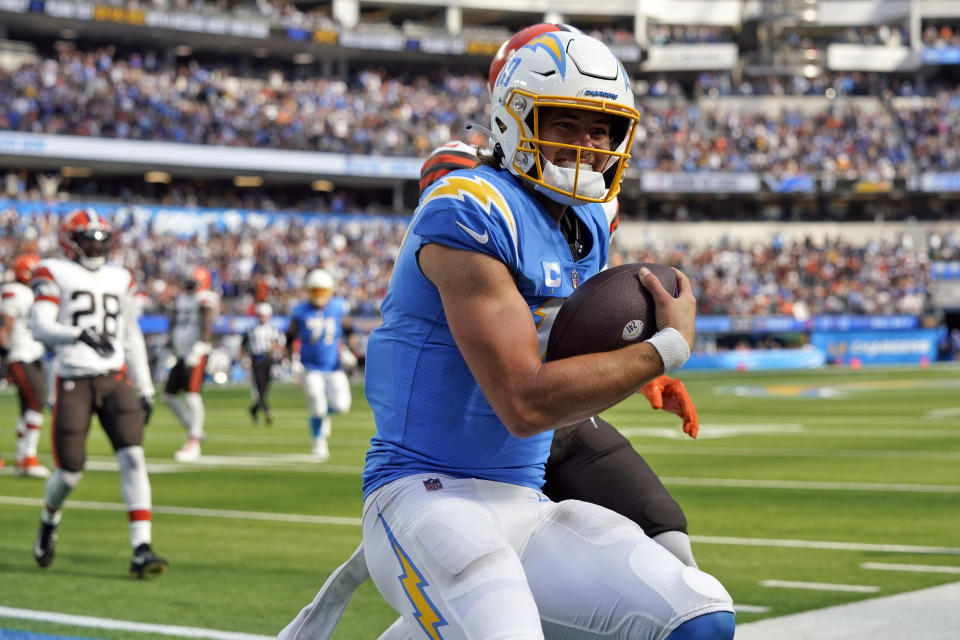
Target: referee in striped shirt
(262, 341)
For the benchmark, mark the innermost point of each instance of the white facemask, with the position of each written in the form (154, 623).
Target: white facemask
(590, 185)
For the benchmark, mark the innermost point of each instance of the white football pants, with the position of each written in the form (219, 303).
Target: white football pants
(326, 392)
(466, 559)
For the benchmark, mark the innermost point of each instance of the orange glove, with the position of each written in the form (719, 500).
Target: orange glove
(670, 395)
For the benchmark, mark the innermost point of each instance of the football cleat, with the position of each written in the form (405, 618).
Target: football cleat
(145, 562)
(30, 467)
(320, 450)
(45, 546)
(189, 452)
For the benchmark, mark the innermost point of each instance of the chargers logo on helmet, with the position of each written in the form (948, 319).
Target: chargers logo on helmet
(552, 45)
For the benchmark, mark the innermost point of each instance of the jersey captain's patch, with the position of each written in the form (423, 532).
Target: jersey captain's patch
(414, 586)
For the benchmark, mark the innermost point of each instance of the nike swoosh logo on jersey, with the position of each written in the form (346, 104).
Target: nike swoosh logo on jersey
(482, 239)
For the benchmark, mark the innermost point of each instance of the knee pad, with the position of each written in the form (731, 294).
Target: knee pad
(131, 458)
(70, 478)
(718, 625)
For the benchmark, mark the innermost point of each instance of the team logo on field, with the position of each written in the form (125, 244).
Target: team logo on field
(433, 484)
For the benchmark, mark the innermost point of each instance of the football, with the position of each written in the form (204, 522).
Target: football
(609, 311)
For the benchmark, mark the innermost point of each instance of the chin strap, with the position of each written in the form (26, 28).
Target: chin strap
(590, 185)
(92, 263)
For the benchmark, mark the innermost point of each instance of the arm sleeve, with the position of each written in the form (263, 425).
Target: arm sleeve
(135, 351)
(46, 329)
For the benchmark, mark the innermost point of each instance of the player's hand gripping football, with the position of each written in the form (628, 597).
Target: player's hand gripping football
(97, 341)
(670, 395)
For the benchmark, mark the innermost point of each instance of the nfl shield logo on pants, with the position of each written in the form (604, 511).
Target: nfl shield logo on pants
(432, 484)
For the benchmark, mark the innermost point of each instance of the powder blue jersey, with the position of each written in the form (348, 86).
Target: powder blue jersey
(431, 415)
(320, 331)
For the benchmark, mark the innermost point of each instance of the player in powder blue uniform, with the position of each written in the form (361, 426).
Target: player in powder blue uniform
(457, 536)
(318, 325)
(474, 211)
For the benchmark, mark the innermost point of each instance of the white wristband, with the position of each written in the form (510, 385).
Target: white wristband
(672, 347)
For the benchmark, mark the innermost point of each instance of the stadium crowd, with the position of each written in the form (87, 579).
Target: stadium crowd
(251, 264)
(138, 96)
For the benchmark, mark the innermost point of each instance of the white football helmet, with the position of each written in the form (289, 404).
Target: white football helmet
(319, 285)
(563, 70)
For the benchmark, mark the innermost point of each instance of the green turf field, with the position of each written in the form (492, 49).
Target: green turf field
(831, 476)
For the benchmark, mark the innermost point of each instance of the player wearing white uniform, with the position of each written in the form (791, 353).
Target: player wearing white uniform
(190, 336)
(83, 311)
(22, 357)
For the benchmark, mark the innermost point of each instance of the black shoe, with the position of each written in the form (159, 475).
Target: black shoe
(145, 563)
(44, 547)
(253, 414)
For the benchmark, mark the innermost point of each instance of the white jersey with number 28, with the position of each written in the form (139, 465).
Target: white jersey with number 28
(96, 300)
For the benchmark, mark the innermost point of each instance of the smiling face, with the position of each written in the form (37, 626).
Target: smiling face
(588, 129)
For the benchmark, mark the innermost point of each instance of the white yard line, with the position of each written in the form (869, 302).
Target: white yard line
(869, 454)
(126, 625)
(819, 586)
(812, 485)
(915, 568)
(869, 431)
(356, 522)
(750, 608)
(195, 512)
(825, 544)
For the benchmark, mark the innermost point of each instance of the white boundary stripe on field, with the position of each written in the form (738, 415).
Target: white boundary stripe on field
(928, 614)
(915, 568)
(356, 522)
(823, 544)
(794, 452)
(820, 586)
(125, 625)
